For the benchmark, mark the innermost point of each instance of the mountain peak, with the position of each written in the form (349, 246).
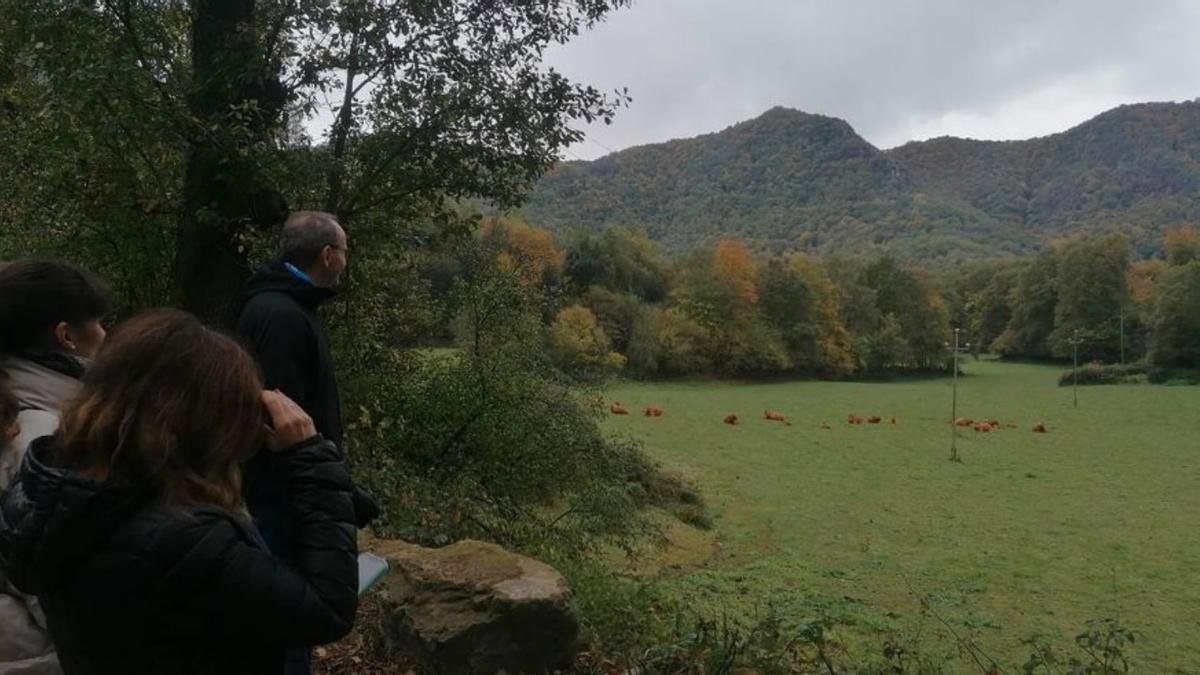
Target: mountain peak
(791, 116)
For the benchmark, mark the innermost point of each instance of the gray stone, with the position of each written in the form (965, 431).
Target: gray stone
(473, 607)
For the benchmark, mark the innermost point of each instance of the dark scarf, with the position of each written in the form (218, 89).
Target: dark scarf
(64, 364)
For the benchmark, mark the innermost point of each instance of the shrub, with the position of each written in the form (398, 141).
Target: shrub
(1173, 376)
(481, 447)
(1099, 373)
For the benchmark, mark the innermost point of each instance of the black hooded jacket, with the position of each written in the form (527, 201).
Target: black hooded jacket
(129, 587)
(280, 326)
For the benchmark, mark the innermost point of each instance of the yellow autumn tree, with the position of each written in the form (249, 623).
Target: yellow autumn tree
(1182, 245)
(833, 338)
(735, 269)
(578, 342)
(1143, 281)
(527, 250)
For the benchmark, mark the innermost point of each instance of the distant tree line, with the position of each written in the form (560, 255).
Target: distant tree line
(1089, 290)
(611, 300)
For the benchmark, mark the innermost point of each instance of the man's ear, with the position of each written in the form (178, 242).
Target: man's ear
(326, 255)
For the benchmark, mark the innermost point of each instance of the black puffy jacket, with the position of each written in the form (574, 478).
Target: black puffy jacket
(128, 587)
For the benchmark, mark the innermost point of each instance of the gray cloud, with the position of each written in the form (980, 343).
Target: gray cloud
(897, 70)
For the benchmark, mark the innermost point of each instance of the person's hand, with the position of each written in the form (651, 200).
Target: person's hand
(289, 424)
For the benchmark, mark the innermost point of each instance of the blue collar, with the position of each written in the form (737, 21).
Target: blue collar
(299, 273)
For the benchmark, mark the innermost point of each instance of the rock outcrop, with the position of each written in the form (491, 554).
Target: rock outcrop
(473, 607)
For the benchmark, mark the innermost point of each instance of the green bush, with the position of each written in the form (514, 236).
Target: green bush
(483, 447)
(1100, 373)
(1173, 376)
(1097, 373)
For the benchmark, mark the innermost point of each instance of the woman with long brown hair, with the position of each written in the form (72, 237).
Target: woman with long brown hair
(129, 524)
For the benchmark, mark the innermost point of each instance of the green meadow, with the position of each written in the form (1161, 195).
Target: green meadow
(1030, 533)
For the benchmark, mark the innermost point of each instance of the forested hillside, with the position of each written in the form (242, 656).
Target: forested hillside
(789, 180)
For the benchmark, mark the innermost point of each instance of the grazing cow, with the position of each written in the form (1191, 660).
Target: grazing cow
(895, 421)
(825, 425)
(773, 416)
(1039, 428)
(653, 411)
(874, 419)
(964, 422)
(618, 409)
(983, 426)
(854, 419)
(731, 419)
(994, 422)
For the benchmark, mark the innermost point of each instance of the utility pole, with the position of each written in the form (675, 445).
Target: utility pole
(1075, 366)
(954, 397)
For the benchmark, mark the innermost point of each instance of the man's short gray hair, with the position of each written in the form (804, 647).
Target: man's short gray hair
(305, 234)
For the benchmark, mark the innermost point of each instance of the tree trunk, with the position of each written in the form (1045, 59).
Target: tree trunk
(224, 191)
(341, 134)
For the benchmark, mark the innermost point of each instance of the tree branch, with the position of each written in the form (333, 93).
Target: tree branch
(126, 20)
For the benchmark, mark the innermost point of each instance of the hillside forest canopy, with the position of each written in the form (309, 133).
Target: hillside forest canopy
(794, 181)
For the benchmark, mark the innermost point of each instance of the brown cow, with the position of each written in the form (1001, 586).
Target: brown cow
(1039, 428)
(618, 409)
(983, 426)
(994, 422)
(874, 419)
(854, 419)
(825, 425)
(731, 419)
(773, 416)
(964, 422)
(895, 421)
(653, 411)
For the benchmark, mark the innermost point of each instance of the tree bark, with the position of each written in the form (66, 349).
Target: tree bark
(225, 194)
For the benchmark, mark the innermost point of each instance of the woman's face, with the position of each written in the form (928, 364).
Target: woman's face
(81, 339)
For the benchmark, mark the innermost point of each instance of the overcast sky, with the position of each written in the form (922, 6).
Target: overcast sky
(896, 70)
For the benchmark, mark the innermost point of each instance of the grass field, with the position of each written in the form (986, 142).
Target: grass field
(1031, 533)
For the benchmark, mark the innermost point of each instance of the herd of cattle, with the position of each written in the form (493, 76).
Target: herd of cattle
(993, 424)
(983, 426)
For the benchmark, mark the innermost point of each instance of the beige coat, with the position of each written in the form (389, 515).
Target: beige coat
(25, 647)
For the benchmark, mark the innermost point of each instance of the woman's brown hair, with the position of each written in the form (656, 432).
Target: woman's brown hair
(169, 406)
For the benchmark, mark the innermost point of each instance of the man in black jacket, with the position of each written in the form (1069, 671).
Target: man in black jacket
(280, 325)
(279, 320)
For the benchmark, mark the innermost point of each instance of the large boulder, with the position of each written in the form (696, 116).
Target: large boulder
(473, 607)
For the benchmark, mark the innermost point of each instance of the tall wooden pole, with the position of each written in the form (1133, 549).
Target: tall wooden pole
(954, 405)
(1075, 366)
